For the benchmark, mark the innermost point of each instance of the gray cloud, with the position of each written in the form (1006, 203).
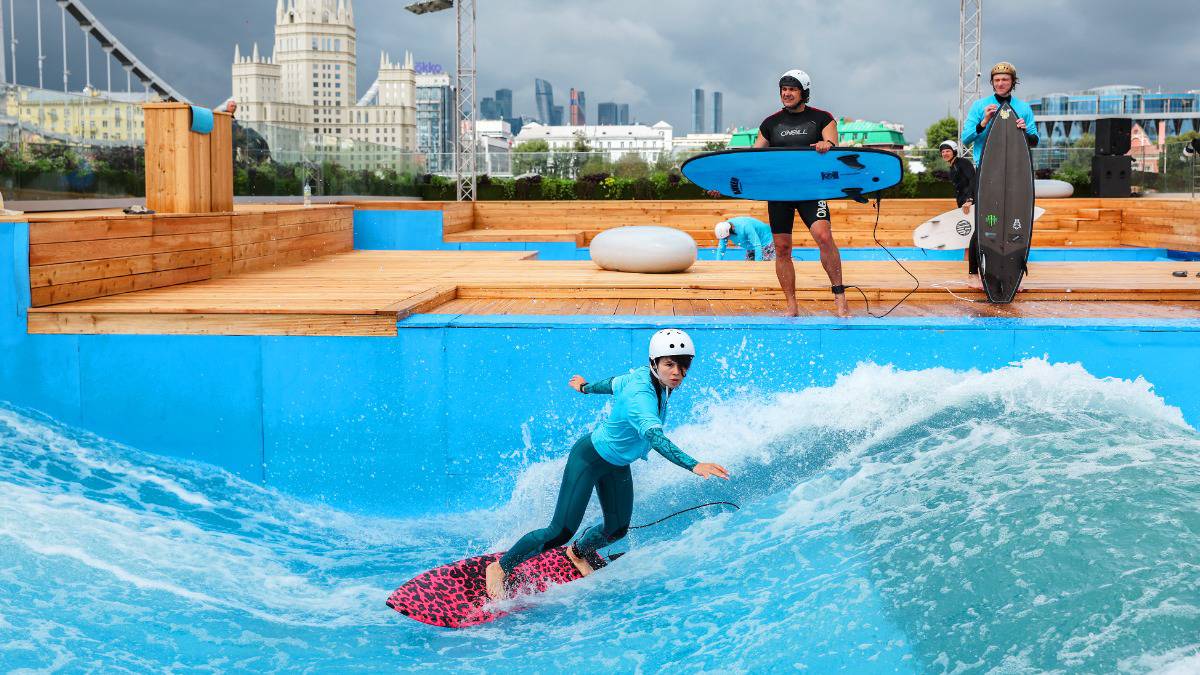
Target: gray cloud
(869, 59)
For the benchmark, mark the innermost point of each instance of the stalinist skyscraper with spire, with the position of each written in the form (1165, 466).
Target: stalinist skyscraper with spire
(309, 83)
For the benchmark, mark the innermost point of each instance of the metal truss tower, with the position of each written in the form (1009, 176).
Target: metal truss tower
(466, 116)
(466, 152)
(970, 67)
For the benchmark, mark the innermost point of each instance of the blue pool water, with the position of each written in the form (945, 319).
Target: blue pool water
(1029, 518)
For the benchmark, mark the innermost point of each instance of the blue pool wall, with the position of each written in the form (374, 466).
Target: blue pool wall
(443, 415)
(422, 231)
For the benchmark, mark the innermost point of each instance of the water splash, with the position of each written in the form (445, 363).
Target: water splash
(1029, 518)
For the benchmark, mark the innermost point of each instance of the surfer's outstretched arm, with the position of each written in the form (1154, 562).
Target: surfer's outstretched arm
(673, 454)
(584, 387)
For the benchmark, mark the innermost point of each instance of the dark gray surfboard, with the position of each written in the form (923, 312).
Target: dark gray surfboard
(1004, 221)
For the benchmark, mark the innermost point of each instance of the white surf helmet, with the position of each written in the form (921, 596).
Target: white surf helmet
(795, 78)
(723, 229)
(949, 144)
(671, 342)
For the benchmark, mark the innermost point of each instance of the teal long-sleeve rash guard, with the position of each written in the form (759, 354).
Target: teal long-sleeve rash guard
(654, 436)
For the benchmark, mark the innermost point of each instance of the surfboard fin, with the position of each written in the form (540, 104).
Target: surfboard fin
(851, 161)
(856, 194)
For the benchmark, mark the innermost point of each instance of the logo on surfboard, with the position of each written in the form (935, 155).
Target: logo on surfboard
(991, 220)
(829, 175)
(1016, 223)
(962, 228)
(735, 185)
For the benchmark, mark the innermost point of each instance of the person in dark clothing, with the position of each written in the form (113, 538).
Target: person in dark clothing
(962, 175)
(799, 125)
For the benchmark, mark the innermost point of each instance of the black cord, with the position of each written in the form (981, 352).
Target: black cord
(874, 235)
(693, 508)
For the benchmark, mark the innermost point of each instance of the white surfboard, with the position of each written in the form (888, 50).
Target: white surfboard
(952, 230)
(1048, 188)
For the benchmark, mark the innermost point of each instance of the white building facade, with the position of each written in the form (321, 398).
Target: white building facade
(308, 85)
(693, 143)
(649, 142)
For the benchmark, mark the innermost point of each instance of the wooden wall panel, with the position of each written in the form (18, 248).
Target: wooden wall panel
(96, 257)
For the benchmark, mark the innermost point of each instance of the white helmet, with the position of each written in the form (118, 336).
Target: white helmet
(795, 78)
(722, 229)
(671, 342)
(949, 144)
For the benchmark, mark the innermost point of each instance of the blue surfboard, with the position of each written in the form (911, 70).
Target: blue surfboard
(795, 174)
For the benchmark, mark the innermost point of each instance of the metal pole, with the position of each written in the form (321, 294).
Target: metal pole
(3, 59)
(87, 54)
(12, 32)
(465, 160)
(41, 52)
(108, 50)
(66, 71)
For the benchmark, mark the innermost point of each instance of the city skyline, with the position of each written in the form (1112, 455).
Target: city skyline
(655, 60)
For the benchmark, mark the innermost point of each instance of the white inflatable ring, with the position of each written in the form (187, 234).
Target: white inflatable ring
(644, 248)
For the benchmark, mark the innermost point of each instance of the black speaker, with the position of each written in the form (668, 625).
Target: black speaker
(1112, 135)
(1110, 175)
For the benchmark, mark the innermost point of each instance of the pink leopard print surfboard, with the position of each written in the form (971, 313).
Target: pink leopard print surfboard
(454, 595)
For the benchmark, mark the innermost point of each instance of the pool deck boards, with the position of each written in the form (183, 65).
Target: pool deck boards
(367, 292)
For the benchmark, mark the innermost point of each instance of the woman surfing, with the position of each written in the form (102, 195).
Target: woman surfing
(600, 460)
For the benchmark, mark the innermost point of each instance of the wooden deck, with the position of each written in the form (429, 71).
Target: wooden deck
(289, 270)
(366, 292)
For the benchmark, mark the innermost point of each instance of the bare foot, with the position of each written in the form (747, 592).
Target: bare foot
(584, 567)
(495, 581)
(974, 284)
(792, 309)
(841, 305)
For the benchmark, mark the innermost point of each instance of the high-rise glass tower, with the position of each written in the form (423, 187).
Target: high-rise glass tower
(504, 101)
(578, 112)
(606, 114)
(544, 95)
(698, 111)
(718, 122)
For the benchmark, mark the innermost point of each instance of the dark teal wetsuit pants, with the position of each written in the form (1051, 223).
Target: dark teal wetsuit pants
(585, 470)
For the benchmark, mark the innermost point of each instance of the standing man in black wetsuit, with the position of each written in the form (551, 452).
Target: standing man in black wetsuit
(962, 176)
(799, 125)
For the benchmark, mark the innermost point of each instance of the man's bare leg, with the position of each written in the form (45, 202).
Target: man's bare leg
(785, 269)
(831, 260)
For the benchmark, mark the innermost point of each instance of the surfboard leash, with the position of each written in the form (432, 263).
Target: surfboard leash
(875, 236)
(690, 508)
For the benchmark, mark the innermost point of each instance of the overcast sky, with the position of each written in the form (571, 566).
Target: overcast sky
(868, 59)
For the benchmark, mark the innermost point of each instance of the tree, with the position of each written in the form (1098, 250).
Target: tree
(714, 145)
(580, 144)
(1079, 156)
(945, 129)
(631, 165)
(531, 157)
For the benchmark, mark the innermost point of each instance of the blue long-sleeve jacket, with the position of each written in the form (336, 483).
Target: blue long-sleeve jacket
(972, 135)
(749, 233)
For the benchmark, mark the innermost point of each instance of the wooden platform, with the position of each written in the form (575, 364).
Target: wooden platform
(366, 292)
(1173, 223)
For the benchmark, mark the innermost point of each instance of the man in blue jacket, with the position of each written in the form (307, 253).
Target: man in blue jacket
(978, 122)
(751, 234)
